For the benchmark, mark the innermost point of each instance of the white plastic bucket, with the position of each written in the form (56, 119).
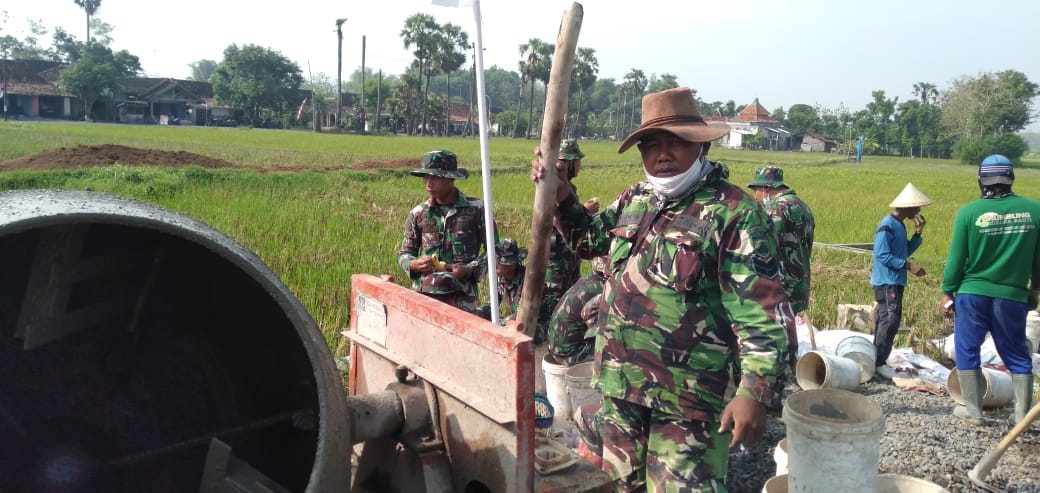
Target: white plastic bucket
(1033, 331)
(817, 370)
(579, 385)
(780, 457)
(897, 483)
(862, 351)
(556, 386)
(776, 484)
(997, 388)
(833, 441)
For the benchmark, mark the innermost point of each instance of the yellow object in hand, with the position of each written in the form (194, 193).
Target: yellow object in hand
(437, 264)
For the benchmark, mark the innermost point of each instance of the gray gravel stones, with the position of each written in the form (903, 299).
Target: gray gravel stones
(922, 439)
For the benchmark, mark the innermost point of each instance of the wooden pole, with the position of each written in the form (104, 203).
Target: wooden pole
(545, 189)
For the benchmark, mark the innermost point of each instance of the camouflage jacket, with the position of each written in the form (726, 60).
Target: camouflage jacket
(694, 289)
(510, 292)
(794, 225)
(455, 233)
(573, 322)
(563, 268)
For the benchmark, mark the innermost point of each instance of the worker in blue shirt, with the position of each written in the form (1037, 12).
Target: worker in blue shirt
(892, 251)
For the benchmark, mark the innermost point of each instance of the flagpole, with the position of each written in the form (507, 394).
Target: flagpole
(485, 169)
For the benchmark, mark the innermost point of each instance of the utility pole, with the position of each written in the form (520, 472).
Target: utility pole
(379, 101)
(7, 61)
(5, 95)
(364, 123)
(339, 69)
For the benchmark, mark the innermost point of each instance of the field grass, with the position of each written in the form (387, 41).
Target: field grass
(316, 228)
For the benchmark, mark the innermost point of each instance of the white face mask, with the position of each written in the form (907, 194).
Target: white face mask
(675, 185)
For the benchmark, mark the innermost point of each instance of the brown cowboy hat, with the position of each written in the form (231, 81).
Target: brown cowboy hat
(675, 111)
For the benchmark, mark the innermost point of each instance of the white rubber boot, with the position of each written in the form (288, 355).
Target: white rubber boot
(971, 390)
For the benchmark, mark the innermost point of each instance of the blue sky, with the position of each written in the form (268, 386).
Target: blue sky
(826, 52)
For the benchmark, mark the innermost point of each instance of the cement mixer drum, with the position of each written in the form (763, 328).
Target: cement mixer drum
(141, 350)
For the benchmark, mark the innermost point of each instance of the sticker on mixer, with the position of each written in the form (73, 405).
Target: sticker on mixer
(371, 319)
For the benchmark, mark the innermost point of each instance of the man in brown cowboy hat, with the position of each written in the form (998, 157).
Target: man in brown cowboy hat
(443, 236)
(693, 296)
(891, 262)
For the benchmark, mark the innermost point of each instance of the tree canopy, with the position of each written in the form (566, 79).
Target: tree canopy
(202, 70)
(94, 74)
(256, 78)
(90, 7)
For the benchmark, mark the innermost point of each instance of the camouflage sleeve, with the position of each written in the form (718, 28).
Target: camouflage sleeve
(479, 265)
(753, 296)
(410, 245)
(588, 235)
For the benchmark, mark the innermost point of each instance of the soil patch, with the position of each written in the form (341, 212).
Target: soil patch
(395, 163)
(109, 154)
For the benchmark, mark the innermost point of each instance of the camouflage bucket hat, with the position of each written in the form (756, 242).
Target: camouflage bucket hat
(509, 253)
(441, 164)
(569, 150)
(440, 283)
(769, 176)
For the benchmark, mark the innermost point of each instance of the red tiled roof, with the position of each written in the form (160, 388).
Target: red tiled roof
(754, 113)
(35, 89)
(459, 112)
(33, 77)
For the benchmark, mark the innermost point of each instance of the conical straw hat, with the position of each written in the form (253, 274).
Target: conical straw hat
(911, 197)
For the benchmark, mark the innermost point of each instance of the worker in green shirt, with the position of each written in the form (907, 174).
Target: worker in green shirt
(991, 280)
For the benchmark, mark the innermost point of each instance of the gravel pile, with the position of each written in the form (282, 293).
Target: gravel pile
(922, 439)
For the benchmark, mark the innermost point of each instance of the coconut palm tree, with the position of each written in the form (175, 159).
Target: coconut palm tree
(635, 85)
(90, 7)
(926, 92)
(420, 30)
(533, 63)
(449, 57)
(586, 67)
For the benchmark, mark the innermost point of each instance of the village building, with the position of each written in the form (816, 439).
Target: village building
(755, 120)
(31, 90)
(810, 142)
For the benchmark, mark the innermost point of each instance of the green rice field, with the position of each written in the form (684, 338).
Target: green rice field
(319, 224)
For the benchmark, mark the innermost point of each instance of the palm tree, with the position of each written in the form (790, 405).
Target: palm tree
(635, 83)
(925, 91)
(420, 30)
(519, 101)
(532, 64)
(90, 7)
(449, 57)
(586, 67)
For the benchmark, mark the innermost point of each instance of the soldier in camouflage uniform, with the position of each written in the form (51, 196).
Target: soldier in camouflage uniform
(572, 328)
(564, 266)
(793, 225)
(694, 293)
(450, 226)
(511, 272)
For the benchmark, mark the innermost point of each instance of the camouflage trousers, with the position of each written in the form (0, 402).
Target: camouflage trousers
(459, 300)
(647, 450)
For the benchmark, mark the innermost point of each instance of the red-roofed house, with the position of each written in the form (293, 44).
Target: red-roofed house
(752, 120)
(31, 90)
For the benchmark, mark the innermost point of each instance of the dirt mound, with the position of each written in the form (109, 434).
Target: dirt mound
(107, 154)
(396, 163)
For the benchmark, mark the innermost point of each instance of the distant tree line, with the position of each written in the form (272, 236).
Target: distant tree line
(977, 115)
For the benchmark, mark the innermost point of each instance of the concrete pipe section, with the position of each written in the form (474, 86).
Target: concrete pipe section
(141, 350)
